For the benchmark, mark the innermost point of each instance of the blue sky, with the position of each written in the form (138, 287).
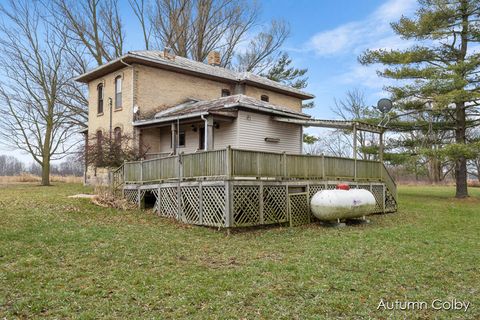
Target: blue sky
(327, 37)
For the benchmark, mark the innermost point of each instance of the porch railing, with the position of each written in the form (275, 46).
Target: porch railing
(231, 163)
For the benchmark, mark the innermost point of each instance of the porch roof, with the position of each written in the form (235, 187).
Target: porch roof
(225, 106)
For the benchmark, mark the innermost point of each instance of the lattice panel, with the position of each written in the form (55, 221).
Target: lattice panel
(168, 202)
(331, 186)
(377, 191)
(191, 204)
(156, 206)
(274, 204)
(390, 203)
(246, 205)
(142, 194)
(299, 209)
(315, 188)
(213, 205)
(131, 195)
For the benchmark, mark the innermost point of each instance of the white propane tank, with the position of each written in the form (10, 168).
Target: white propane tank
(342, 204)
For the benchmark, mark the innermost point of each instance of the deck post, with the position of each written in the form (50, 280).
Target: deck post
(229, 164)
(141, 171)
(285, 170)
(180, 166)
(260, 205)
(180, 215)
(323, 166)
(200, 202)
(228, 204)
(355, 151)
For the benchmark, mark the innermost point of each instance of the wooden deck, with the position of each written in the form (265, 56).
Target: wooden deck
(233, 188)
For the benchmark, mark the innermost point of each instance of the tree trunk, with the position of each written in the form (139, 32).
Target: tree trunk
(46, 172)
(461, 163)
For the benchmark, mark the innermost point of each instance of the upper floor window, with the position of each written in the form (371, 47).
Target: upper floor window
(225, 92)
(118, 92)
(100, 98)
(264, 97)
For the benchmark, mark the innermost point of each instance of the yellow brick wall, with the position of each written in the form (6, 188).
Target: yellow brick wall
(157, 89)
(120, 118)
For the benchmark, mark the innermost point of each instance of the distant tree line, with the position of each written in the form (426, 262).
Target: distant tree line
(11, 166)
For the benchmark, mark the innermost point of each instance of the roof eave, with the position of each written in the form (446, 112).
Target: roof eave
(129, 58)
(294, 93)
(268, 110)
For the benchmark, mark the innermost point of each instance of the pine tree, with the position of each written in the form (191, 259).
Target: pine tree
(442, 71)
(283, 72)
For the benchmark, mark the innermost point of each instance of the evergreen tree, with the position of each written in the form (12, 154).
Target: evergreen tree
(283, 72)
(442, 70)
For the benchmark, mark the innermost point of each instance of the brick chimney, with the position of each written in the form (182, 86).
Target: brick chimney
(213, 58)
(168, 54)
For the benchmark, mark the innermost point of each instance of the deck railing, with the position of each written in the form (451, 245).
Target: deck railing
(231, 163)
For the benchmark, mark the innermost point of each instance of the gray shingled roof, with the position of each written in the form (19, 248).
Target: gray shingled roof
(157, 57)
(225, 103)
(221, 105)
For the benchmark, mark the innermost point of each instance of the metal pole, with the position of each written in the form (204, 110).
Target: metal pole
(355, 151)
(380, 155)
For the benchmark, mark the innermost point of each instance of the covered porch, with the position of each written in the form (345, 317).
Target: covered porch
(185, 135)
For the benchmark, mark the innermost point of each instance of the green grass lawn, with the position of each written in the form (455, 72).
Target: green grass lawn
(67, 258)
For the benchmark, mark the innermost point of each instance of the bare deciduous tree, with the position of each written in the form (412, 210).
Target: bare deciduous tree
(354, 107)
(139, 8)
(194, 28)
(33, 77)
(95, 25)
(10, 166)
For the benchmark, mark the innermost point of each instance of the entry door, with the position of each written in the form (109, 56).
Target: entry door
(201, 138)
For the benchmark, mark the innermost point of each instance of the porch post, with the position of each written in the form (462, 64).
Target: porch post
(209, 133)
(173, 128)
(355, 151)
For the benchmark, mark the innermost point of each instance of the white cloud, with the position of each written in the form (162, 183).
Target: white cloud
(373, 32)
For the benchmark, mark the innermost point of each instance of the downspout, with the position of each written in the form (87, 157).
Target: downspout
(110, 104)
(205, 131)
(133, 103)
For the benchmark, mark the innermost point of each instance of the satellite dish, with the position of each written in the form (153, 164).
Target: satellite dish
(384, 105)
(135, 109)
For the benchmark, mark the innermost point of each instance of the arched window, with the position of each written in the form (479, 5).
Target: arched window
(118, 92)
(117, 134)
(100, 98)
(264, 97)
(225, 92)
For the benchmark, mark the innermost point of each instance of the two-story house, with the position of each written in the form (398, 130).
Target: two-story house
(223, 148)
(171, 104)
